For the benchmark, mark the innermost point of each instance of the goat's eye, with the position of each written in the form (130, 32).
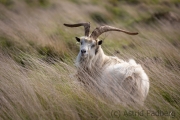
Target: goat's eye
(81, 43)
(93, 45)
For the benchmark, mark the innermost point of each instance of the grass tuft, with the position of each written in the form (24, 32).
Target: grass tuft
(7, 2)
(41, 3)
(99, 18)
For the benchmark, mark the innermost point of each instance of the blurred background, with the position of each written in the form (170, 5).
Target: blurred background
(37, 56)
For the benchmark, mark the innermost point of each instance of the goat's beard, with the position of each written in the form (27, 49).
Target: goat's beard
(84, 56)
(85, 61)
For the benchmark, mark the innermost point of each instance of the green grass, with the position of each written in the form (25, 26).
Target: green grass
(99, 18)
(6, 2)
(6, 43)
(41, 3)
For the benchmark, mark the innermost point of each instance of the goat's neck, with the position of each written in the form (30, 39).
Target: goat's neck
(98, 59)
(101, 61)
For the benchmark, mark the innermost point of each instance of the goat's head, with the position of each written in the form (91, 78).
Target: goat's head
(90, 42)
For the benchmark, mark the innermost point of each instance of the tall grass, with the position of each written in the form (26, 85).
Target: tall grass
(37, 74)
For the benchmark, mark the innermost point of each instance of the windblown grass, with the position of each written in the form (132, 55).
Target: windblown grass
(37, 74)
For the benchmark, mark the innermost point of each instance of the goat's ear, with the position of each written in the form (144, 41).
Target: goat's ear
(78, 39)
(100, 42)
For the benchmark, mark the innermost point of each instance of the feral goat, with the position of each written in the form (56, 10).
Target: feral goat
(108, 71)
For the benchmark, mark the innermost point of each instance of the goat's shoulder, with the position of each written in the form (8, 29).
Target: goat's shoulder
(115, 60)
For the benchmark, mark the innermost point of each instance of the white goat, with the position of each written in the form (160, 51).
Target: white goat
(109, 71)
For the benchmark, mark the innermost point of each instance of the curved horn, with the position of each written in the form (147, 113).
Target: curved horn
(86, 27)
(99, 30)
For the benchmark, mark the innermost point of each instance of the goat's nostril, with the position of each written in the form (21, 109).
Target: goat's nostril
(83, 51)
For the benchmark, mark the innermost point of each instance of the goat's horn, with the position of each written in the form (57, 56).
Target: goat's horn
(86, 27)
(99, 30)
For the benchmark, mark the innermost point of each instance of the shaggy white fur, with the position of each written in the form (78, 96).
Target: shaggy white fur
(117, 79)
(112, 71)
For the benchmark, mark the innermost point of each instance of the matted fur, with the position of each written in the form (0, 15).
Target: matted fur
(113, 78)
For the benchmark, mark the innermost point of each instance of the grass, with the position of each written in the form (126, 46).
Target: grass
(99, 18)
(6, 2)
(37, 74)
(41, 3)
(5, 43)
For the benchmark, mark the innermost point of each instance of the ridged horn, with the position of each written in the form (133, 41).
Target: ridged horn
(86, 27)
(105, 28)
